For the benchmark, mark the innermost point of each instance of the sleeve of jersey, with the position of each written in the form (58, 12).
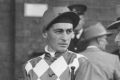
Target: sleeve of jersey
(84, 71)
(29, 66)
(26, 68)
(75, 62)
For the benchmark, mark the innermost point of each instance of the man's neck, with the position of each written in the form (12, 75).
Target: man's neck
(50, 50)
(92, 46)
(53, 53)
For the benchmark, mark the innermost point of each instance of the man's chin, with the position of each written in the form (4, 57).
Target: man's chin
(62, 49)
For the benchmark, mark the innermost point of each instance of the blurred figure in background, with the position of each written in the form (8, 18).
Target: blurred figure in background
(106, 65)
(79, 9)
(116, 26)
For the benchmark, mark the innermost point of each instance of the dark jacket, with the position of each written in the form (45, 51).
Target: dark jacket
(116, 52)
(76, 45)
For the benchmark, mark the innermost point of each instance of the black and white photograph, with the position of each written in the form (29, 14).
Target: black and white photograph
(59, 40)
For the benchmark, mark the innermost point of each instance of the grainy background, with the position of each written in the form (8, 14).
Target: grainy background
(20, 36)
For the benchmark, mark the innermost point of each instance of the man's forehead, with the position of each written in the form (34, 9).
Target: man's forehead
(62, 26)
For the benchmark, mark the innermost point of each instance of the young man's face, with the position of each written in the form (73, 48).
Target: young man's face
(59, 36)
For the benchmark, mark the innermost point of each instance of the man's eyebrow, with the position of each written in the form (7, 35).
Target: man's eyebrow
(70, 29)
(58, 29)
(64, 29)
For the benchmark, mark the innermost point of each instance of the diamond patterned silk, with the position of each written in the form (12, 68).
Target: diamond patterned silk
(75, 62)
(41, 68)
(57, 70)
(59, 66)
(28, 67)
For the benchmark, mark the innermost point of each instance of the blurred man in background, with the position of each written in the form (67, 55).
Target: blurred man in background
(106, 65)
(116, 26)
(79, 9)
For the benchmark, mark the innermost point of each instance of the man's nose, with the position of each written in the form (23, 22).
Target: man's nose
(65, 37)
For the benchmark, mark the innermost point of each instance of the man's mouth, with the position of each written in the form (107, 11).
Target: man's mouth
(63, 44)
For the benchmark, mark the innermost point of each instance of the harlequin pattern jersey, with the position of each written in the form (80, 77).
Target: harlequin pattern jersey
(42, 68)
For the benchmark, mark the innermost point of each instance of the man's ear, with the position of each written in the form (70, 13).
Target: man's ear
(73, 35)
(45, 35)
(99, 39)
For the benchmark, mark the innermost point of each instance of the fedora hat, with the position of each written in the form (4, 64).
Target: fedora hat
(54, 13)
(94, 31)
(114, 25)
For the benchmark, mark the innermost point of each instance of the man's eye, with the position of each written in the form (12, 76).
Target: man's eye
(69, 31)
(58, 31)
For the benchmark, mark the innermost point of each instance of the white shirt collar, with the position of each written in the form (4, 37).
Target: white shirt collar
(52, 53)
(92, 46)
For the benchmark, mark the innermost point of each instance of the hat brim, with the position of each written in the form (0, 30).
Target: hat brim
(74, 17)
(114, 25)
(109, 33)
